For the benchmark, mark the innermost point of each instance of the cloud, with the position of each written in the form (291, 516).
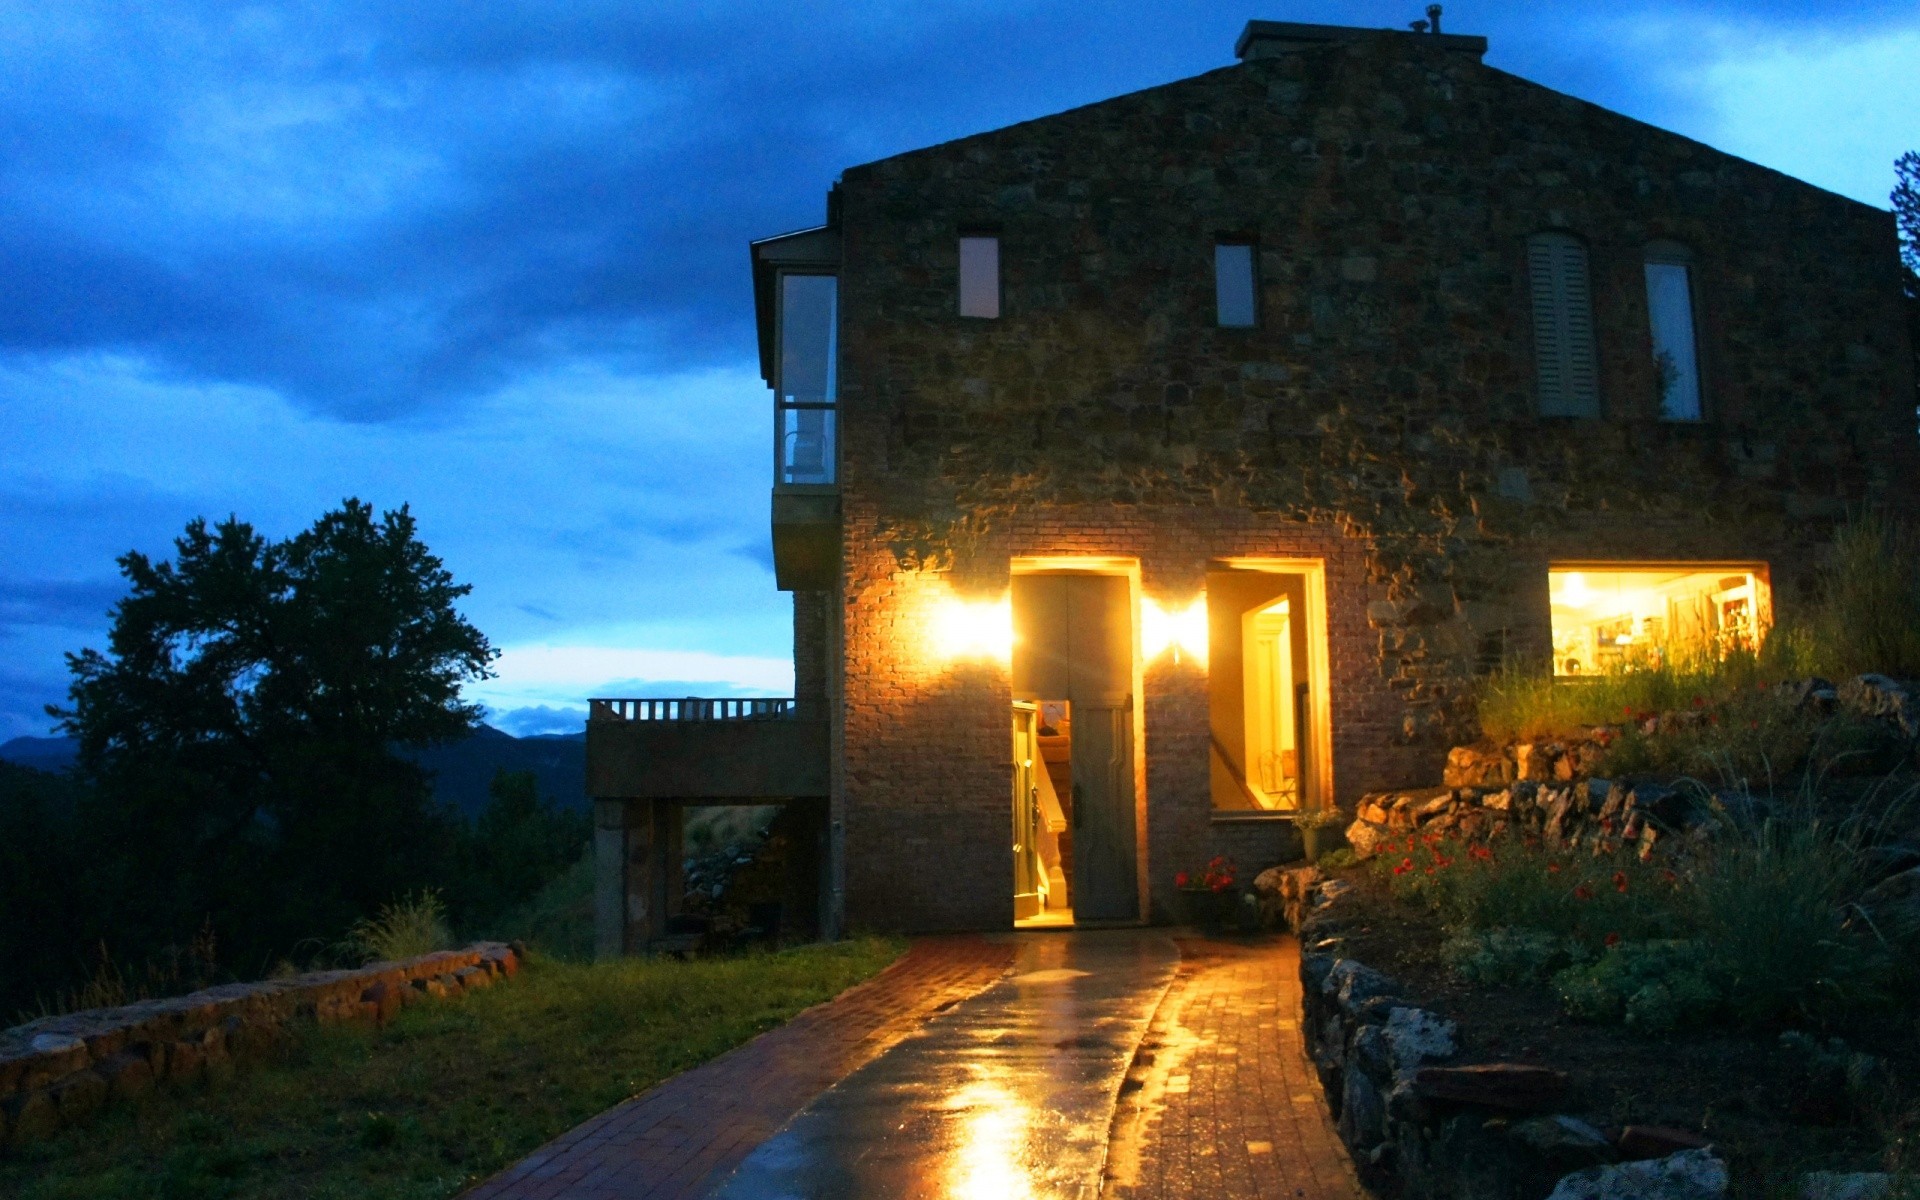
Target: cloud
(68, 604)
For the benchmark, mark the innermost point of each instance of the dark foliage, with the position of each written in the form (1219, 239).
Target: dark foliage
(520, 842)
(242, 740)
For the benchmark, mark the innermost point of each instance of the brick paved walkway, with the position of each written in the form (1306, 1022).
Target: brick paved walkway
(683, 1137)
(1223, 1100)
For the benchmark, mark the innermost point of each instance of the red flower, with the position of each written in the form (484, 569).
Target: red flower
(1667, 874)
(1699, 703)
(1221, 885)
(1627, 712)
(1620, 882)
(1181, 879)
(1407, 863)
(1612, 940)
(1403, 868)
(1553, 868)
(1583, 892)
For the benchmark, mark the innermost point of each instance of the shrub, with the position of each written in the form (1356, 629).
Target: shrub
(1509, 955)
(1867, 615)
(413, 925)
(1656, 985)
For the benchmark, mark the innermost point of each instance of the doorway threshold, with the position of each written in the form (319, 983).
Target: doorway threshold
(1052, 918)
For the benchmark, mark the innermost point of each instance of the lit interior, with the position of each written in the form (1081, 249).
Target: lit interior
(1257, 680)
(1616, 619)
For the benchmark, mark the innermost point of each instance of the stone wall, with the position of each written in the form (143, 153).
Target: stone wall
(60, 1071)
(1380, 416)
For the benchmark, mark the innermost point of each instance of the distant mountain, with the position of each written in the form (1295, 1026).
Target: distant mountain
(461, 770)
(41, 753)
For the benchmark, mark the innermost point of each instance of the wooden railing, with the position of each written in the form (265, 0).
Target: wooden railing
(693, 708)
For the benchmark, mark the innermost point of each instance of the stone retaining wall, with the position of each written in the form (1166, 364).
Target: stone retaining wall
(1420, 1125)
(61, 1071)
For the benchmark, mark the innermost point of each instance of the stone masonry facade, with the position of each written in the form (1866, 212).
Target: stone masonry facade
(1379, 417)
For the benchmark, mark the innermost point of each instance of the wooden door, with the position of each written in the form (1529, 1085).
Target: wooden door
(1075, 642)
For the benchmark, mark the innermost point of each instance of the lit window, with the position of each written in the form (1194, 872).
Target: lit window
(1563, 348)
(1608, 618)
(1670, 316)
(1233, 284)
(808, 366)
(979, 276)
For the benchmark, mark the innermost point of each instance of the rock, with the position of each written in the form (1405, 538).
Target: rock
(1283, 893)
(1836, 1185)
(1373, 808)
(1350, 983)
(386, 1001)
(30, 1116)
(1364, 838)
(1564, 1141)
(129, 1075)
(1657, 1141)
(1501, 801)
(1666, 806)
(1370, 1052)
(1517, 1087)
(1535, 762)
(80, 1096)
(185, 1062)
(472, 978)
(1482, 766)
(1362, 1113)
(1415, 1036)
(1689, 1175)
(1887, 699)
(1893, 904)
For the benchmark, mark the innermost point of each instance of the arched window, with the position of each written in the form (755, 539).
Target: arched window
(1564, 363)
(1676, 364)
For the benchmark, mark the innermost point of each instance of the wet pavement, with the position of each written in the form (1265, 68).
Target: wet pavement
(1007, 1096)
(1124, 1064)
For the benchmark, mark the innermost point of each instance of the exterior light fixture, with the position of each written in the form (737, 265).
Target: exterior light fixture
(974, 629)
(1183, 631)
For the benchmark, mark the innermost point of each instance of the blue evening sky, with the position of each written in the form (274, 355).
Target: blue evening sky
(490, 260)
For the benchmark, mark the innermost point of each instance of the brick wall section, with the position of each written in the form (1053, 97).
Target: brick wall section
(1380, 416)
(61, 1070)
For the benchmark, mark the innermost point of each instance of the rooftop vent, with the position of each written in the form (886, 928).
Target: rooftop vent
(1267, 39)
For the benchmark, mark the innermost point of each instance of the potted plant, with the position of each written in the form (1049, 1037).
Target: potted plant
(1318, 831)
(1210, 896)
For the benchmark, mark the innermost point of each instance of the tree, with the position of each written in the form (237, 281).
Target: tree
(1906, 215)
(241, 732)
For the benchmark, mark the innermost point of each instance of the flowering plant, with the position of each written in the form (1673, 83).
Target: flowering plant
(1218, 877)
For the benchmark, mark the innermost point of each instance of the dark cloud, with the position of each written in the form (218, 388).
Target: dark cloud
(67, 604)
(376, 207)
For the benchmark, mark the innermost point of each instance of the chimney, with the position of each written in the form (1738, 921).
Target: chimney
(1269, 39)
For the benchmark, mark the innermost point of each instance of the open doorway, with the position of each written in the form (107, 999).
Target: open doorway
(1042, 800)
(1073, 680)
(1267, 694)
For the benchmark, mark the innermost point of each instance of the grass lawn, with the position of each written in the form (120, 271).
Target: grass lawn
(448, 1093)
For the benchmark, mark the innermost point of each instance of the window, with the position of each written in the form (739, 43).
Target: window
(1233, 287)
(1676, 369)
(1611, 617)
(1569, 378)
(1266, 688)
(979, 276)
(804, 417)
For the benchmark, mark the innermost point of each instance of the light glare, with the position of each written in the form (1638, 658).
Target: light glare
(1184, 631)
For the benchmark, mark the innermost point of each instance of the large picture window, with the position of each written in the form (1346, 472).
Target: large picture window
(1615, 617)
(1566, 372)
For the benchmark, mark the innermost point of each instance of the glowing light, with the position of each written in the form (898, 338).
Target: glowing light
(1183, 631)
(992, 1158)
(974, 629)
(1573, 589)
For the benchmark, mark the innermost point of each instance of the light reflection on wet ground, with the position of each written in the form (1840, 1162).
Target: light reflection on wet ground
(1007, 1096)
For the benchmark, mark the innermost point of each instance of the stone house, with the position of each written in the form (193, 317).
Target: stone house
(1149, 473)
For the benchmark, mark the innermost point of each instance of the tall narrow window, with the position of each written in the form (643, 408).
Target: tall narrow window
(1676, 368)
(1233, 288)
(809, 319)
(979, 276)
(1567, 374)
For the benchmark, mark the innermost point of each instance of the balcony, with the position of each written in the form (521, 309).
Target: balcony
(797, 309)
(704, 750)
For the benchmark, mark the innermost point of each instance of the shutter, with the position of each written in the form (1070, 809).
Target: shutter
(1564, 353)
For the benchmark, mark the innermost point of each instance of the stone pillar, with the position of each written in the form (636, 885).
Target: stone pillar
(639, 877)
